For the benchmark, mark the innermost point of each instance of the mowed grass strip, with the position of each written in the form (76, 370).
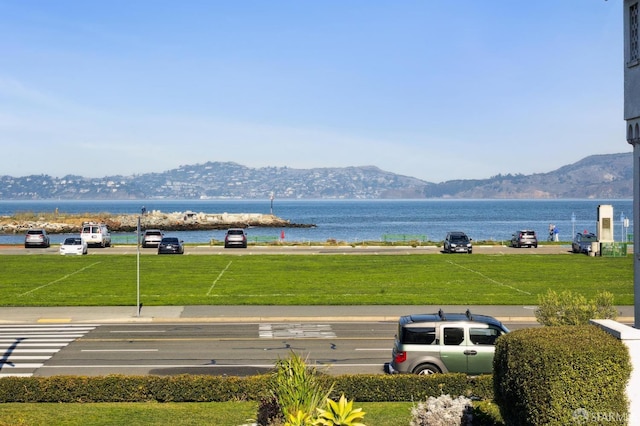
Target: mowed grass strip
(183, 413)
(46, 280)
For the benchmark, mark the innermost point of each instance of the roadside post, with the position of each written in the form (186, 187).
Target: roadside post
(138, 304)
(573, 225)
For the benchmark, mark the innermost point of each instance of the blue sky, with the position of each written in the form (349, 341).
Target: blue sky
(434, 89)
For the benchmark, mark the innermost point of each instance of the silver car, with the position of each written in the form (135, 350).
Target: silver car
(443, 343)
(235, 237)
(36, 238)
(524, 238)
(151, 238)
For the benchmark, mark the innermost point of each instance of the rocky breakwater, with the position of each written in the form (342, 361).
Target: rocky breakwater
(177, 221)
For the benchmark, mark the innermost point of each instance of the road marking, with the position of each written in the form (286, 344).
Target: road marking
(59, 279)
(318, 331)
(20, 344)
(489, 279)
(151, 366)
(218, 277)
(119, 350)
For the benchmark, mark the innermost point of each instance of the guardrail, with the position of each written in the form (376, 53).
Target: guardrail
(123, 239)
(262, 239)
(404, 238)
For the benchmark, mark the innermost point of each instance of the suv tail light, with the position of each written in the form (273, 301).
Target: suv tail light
(400, 357)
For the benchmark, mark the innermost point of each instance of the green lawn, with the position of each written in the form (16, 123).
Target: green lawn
(176, 414)
(308, 280)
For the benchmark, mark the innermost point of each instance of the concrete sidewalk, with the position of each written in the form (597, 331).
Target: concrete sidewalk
(258, 313)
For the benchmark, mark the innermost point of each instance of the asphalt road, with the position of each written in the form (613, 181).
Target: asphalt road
(237, 349)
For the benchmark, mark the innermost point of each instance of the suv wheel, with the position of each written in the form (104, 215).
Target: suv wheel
(427, 369)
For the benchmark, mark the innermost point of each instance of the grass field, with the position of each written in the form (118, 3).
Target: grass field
(308, 280)
(176, 414)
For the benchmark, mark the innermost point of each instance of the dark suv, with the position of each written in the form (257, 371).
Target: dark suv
(443, 343)
(457, 242)
(524, 238)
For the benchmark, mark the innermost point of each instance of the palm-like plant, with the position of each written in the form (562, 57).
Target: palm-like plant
(340, 413)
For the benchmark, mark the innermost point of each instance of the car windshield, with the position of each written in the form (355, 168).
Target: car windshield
(589, 238)
(235, 232)
(72, 241)
(170, 241)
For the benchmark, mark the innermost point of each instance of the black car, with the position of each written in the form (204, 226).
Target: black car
(582, 242)
(170, 245)
(457, 242)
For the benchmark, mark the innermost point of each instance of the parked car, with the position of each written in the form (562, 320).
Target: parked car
(524, 238)
(170, 245)
(151, 238)
(445, 343)
(74, 245)
(457, 242)
(235, 237)
(36, 238)
(96, 234)
(582, 242)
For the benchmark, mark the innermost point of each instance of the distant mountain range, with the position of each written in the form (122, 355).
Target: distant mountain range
(596, 176)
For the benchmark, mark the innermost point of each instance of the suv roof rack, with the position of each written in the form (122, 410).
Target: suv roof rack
(441, 315)
(468, 314)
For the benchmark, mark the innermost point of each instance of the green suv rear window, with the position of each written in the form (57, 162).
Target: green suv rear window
(418, 335)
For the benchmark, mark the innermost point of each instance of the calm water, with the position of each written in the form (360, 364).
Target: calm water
(358, 220)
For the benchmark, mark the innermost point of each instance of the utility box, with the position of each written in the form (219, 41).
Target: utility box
(605, 223)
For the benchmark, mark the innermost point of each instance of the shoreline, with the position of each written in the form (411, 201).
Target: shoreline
(60, 223)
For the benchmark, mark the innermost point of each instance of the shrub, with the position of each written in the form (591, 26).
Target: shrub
(340, 413)
(547, 375)
(205, 388)
(443, 411)
(568, 308)
(296, 387)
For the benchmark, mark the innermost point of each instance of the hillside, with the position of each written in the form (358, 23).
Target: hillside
(597, 176)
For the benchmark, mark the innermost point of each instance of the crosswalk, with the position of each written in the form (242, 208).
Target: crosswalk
(307, 331)
(25, 348)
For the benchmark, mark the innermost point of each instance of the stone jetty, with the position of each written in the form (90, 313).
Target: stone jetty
(60, 223)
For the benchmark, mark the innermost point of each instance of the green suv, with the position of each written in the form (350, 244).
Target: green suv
(445, 343)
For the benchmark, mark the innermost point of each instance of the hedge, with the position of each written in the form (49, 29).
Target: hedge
(560, 375)
(200, 388)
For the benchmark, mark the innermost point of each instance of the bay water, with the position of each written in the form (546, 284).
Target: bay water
(354, 221)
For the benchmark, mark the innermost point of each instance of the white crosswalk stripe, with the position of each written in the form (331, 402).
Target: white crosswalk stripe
(307, 331)
(25, 348)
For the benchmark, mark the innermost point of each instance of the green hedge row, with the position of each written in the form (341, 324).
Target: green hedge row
(197, 388)
(561, 375)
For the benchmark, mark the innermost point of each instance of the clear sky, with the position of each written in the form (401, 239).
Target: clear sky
(434, 89)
